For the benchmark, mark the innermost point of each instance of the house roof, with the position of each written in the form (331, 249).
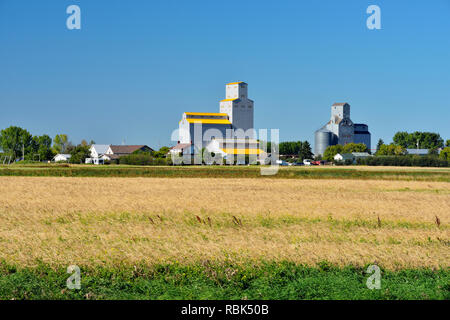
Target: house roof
(180, 146)
(111, 156)
(127, 148)
(65, 155)
(344, 156)
(417, 151)
(361, 154)
(100, 148)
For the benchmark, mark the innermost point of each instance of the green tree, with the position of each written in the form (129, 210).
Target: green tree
(447, 143)
(403, 138)
(445, 153)
(354, 147)
(79, 154)
(161, 153)
(41, 145)
(15, 139)
(331, 151)
(290, 147)
(426, 140)
(269, 147)
(305, 151)
(379, 144)
(61, 143)
(391, 150)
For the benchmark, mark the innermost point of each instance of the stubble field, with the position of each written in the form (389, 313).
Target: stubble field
(112, 223)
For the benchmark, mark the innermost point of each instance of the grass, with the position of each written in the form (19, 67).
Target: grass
(357, 172)
(269, 280)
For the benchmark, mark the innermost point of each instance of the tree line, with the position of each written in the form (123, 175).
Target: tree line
(401, 141)
(19, 144)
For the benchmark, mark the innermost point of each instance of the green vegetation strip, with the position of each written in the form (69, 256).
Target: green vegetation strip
(270, 280)
(224, 172)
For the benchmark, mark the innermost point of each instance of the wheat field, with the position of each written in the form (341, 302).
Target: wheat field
(110, 221)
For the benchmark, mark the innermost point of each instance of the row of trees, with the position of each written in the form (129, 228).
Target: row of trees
(403, 140)
(408, 160)
(297, 149)
(331, 151)
(422, 140)
(395, 153)
(18, 143)
(417, 139)
(144, 158)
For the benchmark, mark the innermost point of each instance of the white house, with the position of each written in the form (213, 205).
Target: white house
(354, 156)
(97, 152)
(343, 157)
(61, 157)
(105, 152)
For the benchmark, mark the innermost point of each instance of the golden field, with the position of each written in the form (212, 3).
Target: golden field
(106, 221)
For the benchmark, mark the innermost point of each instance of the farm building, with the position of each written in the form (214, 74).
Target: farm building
(343, 157)
(417, 152)
(340, 130)
(97, 152)
(105, 152)
(61, 157)
(229, 132)
(354, 156)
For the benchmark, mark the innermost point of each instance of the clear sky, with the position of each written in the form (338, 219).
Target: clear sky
(136, 66)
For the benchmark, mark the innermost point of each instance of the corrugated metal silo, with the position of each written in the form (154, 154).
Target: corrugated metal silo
(323, 139)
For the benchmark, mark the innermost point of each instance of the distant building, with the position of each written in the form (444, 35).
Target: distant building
(343, 157)
(361, 155)
(418, 152)
(238, 106)
(61, 157)
(116, 151)
(229, 132)
(97, 152)
(216, 124)
(340, 130)
(354, 156)
(105, 152)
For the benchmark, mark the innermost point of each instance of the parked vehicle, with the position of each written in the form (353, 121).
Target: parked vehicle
(307, 162)
(282, 163)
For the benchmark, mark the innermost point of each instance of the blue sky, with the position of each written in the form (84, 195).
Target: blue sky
(136, 66)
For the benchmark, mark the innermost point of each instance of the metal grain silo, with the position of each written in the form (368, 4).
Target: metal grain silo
(323, 139)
